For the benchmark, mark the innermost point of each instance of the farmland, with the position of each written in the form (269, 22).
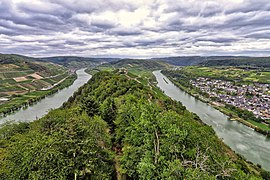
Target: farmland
(22, 80)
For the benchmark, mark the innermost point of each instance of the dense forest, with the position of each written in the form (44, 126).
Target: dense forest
(115, 127)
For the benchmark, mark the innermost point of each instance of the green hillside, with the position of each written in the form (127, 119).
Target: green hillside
(137, 63)
(75, 62)
(246, 62)
(142, 68)
(196, 60)
(116, 127)
(23, 78)
(228, 73)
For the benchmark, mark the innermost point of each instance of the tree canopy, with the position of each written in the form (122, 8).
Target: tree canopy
(117, 127)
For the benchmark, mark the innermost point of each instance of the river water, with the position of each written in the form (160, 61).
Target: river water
(242, 139)
(54, 101)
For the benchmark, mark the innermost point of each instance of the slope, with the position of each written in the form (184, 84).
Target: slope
(117, 127)
(75, 62)
(196, 60)
(246, 62)
(21, 75)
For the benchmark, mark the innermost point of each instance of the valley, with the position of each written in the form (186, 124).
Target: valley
(100, 100)
(134, 90)
(24, 81)
(134, 131)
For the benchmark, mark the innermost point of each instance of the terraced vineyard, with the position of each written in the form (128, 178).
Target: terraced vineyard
(21, 76)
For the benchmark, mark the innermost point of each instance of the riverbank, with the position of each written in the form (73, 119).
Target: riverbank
(23, 101)
(254, 146)
(222, 109)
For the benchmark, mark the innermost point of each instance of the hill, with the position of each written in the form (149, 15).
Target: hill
(136, 66)
(195, 60)
(233, 74)
(22, 77)
(137, 63)
(77, 62)
(116, 127)
(246, 62)
(142, 68)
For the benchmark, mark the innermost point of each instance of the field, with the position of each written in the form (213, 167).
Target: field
(15, 79)
(18, 101)
(24, 79)
(229, 73)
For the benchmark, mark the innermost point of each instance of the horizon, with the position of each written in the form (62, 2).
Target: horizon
(141, 29)
(137, 58)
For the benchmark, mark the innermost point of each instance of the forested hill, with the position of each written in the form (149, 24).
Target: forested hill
(77, 62)
(196, 60)
(13, 62)
(13, 58)
(137, 63)
(116, 127)
(67, 61)
(248, 62)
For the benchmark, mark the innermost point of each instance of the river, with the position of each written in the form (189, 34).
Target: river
(253, 146)
(54, 101)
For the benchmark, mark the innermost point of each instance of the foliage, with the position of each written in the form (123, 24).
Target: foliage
(59, 146)
(153, 136)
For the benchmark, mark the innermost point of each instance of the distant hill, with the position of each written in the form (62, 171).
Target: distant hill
(196, 60)
(14, 58)
(19, 62)
(249, 62)
(138, 63)
(77, 62)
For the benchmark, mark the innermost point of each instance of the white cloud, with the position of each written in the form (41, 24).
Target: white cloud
(141, 28)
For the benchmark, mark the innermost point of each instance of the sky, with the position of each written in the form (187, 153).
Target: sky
(135, 28)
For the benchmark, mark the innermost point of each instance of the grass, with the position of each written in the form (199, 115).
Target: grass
(260, 125)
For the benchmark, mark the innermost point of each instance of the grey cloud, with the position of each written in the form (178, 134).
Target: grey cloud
(218, 39)
(250, 6)
(195, 27)
(150, 42)
(90, 6)
(79, 43)
(103, 24)
(263, 34)
(125, 32)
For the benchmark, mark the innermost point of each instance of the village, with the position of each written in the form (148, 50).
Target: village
(254, 98)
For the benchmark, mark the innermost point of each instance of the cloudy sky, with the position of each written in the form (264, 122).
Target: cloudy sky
(135, 28)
